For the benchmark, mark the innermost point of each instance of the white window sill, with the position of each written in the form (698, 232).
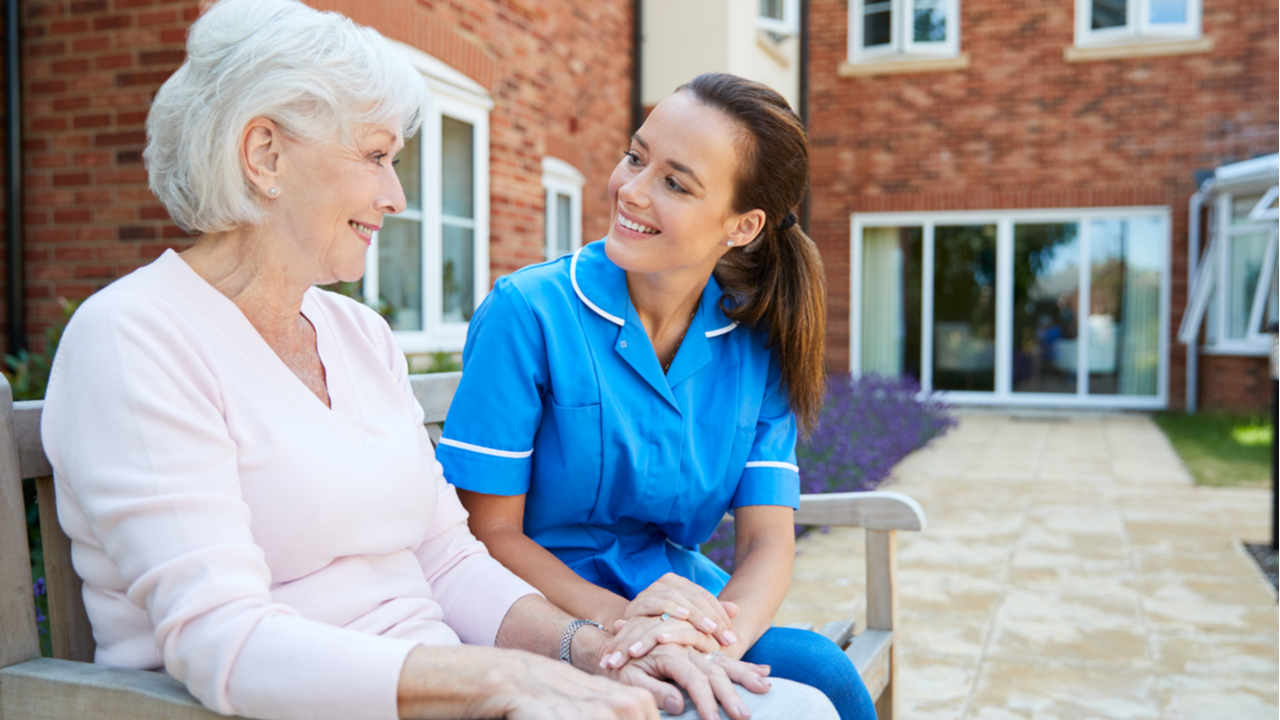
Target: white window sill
(901, 65)
(1239, 349)
(1134, 48)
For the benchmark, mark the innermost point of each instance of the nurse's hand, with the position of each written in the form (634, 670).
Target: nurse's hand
(708, 680)
(686, 600)
(636, 637)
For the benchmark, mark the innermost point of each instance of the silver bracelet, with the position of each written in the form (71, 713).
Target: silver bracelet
(566, 640)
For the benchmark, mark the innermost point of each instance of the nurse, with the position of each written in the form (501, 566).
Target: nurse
(618, 401)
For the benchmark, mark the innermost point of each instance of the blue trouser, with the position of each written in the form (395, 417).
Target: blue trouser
(807, 657)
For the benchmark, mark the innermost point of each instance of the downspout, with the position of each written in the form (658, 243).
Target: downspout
(637, 59)
(804, 99)
(1194, 209)
(15, 295)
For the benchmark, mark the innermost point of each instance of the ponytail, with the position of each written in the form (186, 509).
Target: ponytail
(776, 283)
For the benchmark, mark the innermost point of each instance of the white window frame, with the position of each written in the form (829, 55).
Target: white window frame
(789, 24)
(561, 178)
(1139, 28)
(1255, 342)
(1004, 220)
(901, 45)
(451, 94)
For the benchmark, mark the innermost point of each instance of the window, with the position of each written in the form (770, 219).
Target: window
(428, 267)
(903, 29)
(1239, 274)
(1034, 307)
(563, 184)
(781, 17)
(1126, 21)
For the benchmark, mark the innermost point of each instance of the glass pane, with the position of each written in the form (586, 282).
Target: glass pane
(1173, 12)
(400, 272)
(409, 170)
(877, 24)
(1046, 296)
(1241, 206)
(1109, 14)
(457, 167)
(1243, 270)
(564, 233)
(1124, 305)
(457, 287)
(1273, 306)
(930, 21)
(964, 308)
(891, 272)
(771, 9)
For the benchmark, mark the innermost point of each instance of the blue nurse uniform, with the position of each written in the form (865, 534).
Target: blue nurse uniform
(625, 470)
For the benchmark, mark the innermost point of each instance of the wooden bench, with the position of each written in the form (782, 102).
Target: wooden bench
(69, 685)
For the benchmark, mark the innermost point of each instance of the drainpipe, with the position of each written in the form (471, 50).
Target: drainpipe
(637, 59)
(1194, 208)
(15, 295)
(804, 98)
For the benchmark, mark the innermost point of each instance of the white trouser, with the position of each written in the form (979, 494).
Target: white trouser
(786, 700)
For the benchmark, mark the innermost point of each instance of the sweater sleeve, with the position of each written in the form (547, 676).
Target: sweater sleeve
(134, 425)
(474, 590)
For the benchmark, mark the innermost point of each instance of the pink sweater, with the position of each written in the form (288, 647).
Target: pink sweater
(279, 557)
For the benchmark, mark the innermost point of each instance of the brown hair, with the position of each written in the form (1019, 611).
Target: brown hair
(774, 284)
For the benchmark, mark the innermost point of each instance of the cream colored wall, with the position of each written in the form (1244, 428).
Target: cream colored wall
(682, 39)
(685, 38)
(755, 55)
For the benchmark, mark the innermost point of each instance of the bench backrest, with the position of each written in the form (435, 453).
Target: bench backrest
(22, 457)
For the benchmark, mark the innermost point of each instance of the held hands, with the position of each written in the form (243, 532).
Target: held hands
(673, 610)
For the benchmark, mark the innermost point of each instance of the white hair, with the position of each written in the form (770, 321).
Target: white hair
(317, 75)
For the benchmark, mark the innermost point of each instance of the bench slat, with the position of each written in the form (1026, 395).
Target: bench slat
(31, 457)
(18, 638)
(870, 652)
(839, 631)
(434, 392)
(48, 689)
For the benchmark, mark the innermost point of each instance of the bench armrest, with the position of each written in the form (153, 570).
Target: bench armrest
(870, 510)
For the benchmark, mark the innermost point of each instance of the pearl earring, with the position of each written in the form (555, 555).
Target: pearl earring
(273, 192)
(729, 243)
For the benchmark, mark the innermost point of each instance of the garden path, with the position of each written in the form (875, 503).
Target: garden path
(1070, 570)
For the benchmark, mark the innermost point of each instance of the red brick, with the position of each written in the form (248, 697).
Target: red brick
(71, 179)
(40, 11)
(132, 137)
(71, 103)
(94, 197)
(159, 17)
(48, 86)
(68, 27)
(76, 254)
(85, 122)
(91, 44)
(88, 272)
(92, 159)
(153, 77)
(49, 161)
(113, 62)
(162, 57)
(67, 67)
(46, 49)
(124, 4)
(112, 22)
(85, 7)
(138, 232)
(155, 213)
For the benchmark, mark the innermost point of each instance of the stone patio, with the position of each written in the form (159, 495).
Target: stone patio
(1070, 570)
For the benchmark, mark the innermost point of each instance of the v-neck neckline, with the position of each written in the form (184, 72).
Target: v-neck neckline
(233, 323)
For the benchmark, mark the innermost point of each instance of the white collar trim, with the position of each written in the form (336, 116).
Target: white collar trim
(573, 278)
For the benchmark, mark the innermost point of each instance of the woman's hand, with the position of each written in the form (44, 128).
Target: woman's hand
(636, 637)
(685, 600)
(472, 682)
(707, 678)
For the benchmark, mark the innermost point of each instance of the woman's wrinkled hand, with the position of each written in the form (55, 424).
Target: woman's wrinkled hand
(683, 599)
(707, 678)
(636, 637)
(552, 690)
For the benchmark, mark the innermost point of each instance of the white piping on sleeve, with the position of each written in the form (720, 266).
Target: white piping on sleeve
(573, 278)
(773, 464)
(721, 331)
(485, 450)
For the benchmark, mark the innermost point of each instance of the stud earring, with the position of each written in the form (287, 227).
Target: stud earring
(729, 243)
(273, 192)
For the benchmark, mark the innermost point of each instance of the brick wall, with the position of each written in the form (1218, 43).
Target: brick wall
(1022, 128)
(90, 69)
(1235, 384)
(559, 73)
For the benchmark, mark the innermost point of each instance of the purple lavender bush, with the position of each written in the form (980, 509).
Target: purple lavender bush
(866, 426)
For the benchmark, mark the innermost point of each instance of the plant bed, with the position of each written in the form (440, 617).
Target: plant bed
(867, 426)
(1265, 557)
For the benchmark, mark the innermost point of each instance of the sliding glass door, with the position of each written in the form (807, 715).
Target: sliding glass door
(1016, 307)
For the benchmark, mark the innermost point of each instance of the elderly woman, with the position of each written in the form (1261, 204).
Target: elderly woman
(252, 500)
